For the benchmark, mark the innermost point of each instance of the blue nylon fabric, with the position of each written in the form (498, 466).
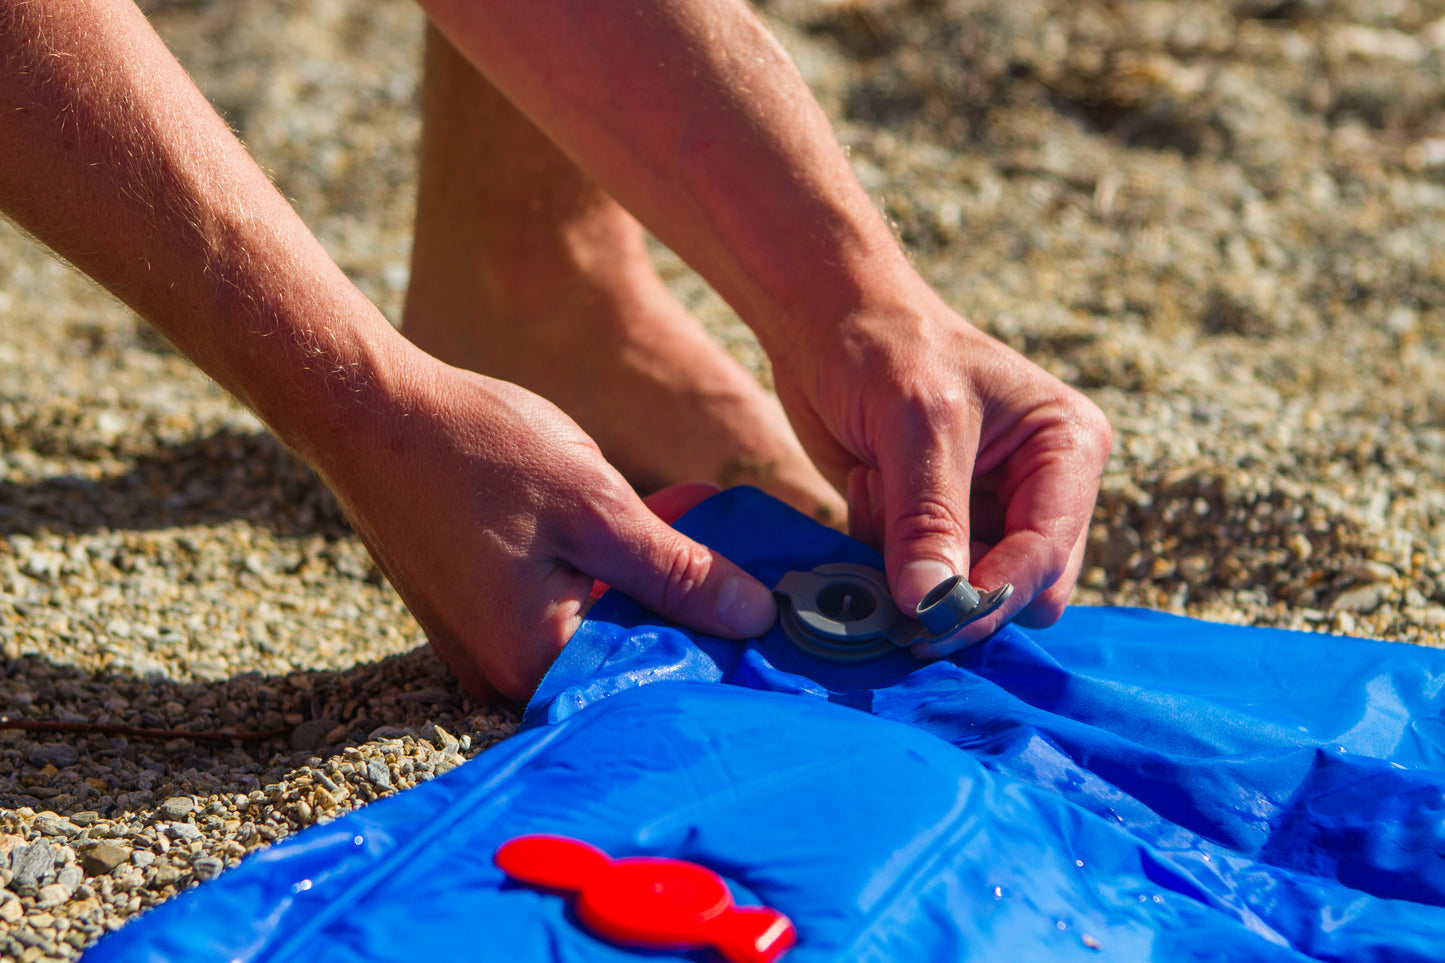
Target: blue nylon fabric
(1126, 784)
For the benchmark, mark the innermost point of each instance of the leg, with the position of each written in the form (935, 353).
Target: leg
(523, 269)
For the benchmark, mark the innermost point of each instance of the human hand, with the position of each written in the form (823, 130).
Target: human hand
(958, 454)
(492, 513)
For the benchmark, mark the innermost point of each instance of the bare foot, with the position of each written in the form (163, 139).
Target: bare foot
(612, 347)
(523, 269)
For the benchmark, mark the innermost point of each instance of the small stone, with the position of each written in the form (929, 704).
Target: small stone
(31, 864)
(1430, 616)
(181, 831)
(176, 807)
(1368, 570)
(165, 873)
(99, 860)
(70, 877)
(48, 824)
(58, 754)
(11, 909)
(1362, 599)
(1299, 546)
(379, 775)
(51, 895)
(311, 734)
(439, 737)
(207, 867)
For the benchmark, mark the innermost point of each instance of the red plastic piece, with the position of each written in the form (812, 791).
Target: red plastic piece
(649, 902)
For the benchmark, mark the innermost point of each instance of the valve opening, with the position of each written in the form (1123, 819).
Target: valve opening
(846, 601)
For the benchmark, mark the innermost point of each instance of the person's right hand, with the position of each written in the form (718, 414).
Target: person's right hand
(492, 513)
(959, 455)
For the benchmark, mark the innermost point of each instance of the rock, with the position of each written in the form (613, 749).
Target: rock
(11, 909)
(379, 775)
(49, 824)
(57, 754)
(31, 864)
(100, 859)
(439, 737)
(207, 867)
(181, 831)
(1367, 570)
(1362, 599)
(311, 734)
(176, 807)
(164, 873)
(70, 877)
(8, 844)
(51, 896)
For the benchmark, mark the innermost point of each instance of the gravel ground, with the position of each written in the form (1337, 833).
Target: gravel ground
(1224, 220)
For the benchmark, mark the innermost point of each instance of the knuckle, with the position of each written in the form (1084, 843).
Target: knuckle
(687, 569)
(940, 404)
(927, 518)
(1097, 433)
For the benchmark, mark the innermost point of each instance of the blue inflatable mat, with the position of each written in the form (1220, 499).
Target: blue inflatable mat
(1125, 785)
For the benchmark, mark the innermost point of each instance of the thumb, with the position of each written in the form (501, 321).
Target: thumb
(925, 524)
(642, 556)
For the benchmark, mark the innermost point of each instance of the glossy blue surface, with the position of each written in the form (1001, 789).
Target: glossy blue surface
(1125, 785)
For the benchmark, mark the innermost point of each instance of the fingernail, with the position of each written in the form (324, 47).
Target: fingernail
(746, 607)
(915, 578)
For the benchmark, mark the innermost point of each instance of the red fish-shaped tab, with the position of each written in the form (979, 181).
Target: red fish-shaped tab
(649, 902)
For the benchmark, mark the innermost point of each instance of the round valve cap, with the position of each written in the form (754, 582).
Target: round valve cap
(650, 902)
(654, 902)
(954, 603)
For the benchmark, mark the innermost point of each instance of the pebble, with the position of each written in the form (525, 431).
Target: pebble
(51, 896)
(31, 864)
(100, 859)
(1362, 599)
(378, 773)
(176, 807)
(311, 734)
(57, 754)
(207, 867)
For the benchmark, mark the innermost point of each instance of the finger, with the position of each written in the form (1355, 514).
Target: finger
(668, 504)
(925, 501)
(639, 554)
(1042, 612)
(862, 512)
(1048, 489)
(875, 505)
(1051, 602)
(1047, 524)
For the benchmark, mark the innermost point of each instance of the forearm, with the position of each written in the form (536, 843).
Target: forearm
(112, 157)
(691, 114)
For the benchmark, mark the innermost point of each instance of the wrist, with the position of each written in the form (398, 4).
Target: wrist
(839, 300)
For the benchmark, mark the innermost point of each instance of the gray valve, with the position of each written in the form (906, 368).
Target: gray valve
(845, 613)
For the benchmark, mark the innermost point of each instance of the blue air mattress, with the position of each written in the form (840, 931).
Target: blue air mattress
(1125, 785)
